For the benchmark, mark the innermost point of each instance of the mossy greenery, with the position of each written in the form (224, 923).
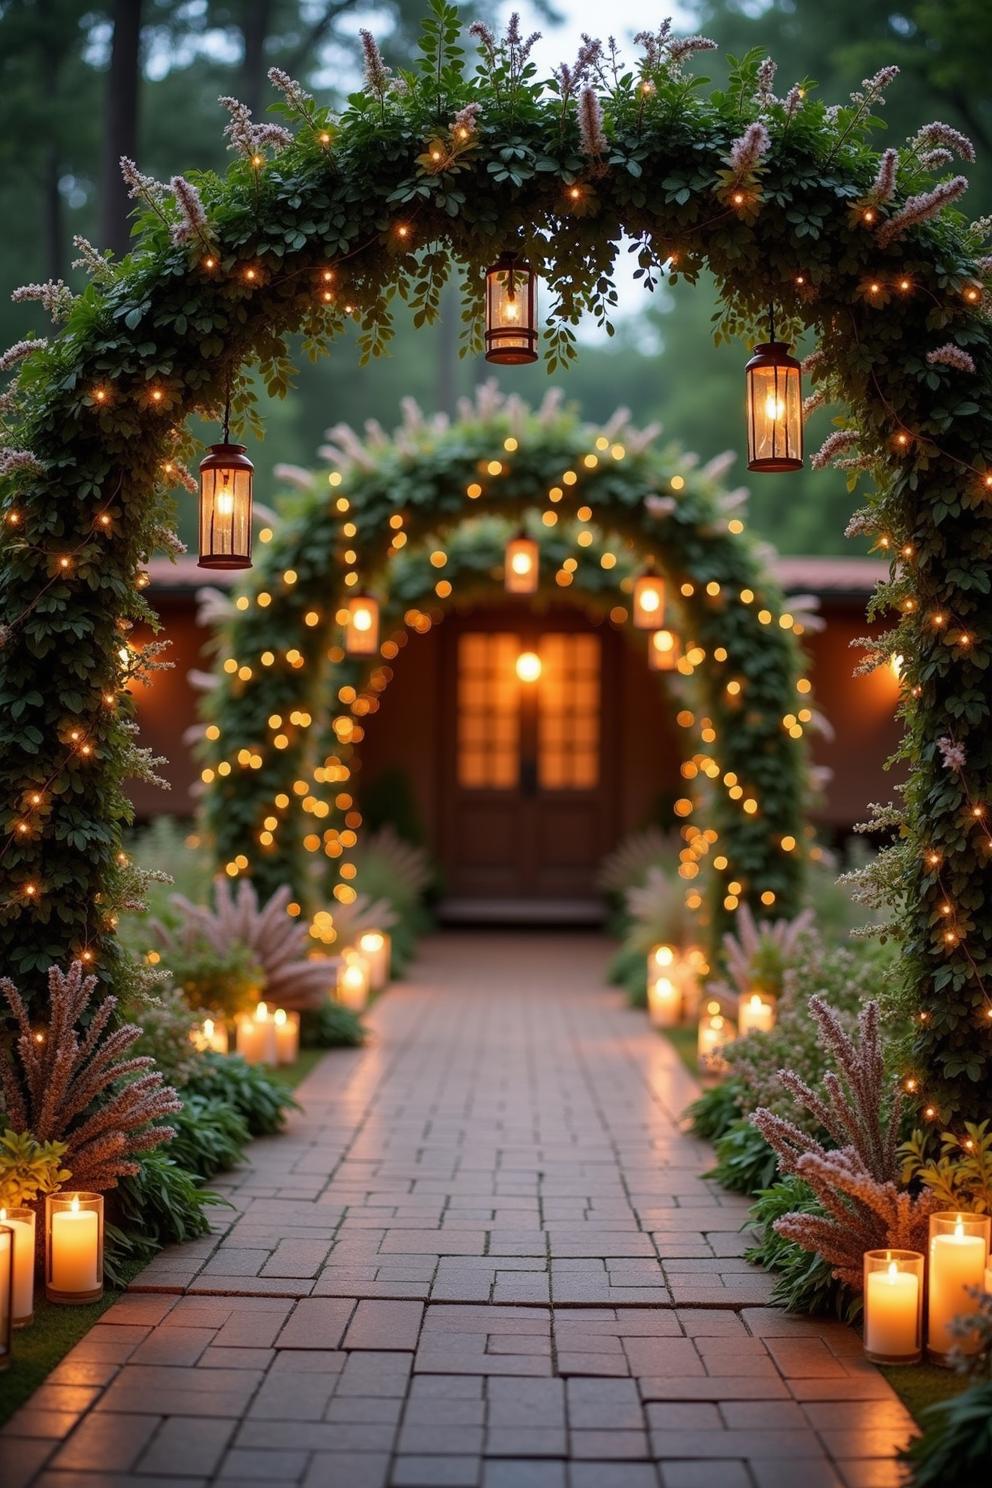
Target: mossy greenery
(368, 200)
(288, 703)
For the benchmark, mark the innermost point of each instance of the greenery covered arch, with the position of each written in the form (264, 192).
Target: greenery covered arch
(412, 520)
(781, 197)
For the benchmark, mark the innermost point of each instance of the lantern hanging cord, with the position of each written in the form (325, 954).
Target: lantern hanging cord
(771, 320)
(227, 411)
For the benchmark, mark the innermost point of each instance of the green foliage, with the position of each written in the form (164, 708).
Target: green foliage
(29, 1169)
(803, 1282)
(744, 1161)
(955, 1448)
(218, 982)
(713, 1113)
(162, 1204)
(162, 315)
(847, 977)
(960, 1173)
(211, 1135)
(166, 1020)
(331, 1026)
(261, 1101)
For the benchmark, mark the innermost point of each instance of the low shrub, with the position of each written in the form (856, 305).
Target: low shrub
(161, 1204)
(804, 1282)
(955, 1447)
(744, 1161)
(716, 1110)
(259, 1100)
(211, 1135)
(331, 1026)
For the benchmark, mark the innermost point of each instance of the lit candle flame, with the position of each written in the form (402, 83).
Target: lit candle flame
(74, 1206)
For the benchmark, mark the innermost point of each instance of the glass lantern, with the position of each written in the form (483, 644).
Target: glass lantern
(755, 1013)
(893, 1293)
(361, 636)
(353, 981)
(774, 409)
(715, 1031)
(21, 1223)
(225, 507)
(511, 311)
(73, 1247)
(959, 1250)
(664, 651)
(521, 571)
(649, 600)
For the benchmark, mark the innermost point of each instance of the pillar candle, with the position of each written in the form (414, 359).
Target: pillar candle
(714, 1031)
(375, 946)
(287, 1032)
(755, 1013)
(664, 1002)
(248, 1040)
(6, 1283)
(21, 1224)
(892, 1299)
(353, 982)
(74, 1251)
(211, 1036)
(958, 1253)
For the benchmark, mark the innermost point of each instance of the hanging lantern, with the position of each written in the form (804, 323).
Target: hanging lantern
(664, 650)
(225, 507)
(511, 311)
(520, 570)
(774, 407)
(649, 600)
(361, 636)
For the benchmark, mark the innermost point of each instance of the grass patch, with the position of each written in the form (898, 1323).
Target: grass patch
(921, 1385)
(684, 1040)
(55, 1330)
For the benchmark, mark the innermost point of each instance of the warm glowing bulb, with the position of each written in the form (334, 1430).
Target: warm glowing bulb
(896, 664)
(774, 407)
(362, 619)
(528, 666)
(664, 955)
(650, 600)
(520, 563)
(208, 1028)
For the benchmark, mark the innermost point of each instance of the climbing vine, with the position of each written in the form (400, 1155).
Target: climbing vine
(321, 221)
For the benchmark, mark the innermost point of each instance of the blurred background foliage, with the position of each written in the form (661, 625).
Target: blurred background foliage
(82, 83)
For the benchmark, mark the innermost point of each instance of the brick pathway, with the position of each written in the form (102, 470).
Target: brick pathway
(482, 1257)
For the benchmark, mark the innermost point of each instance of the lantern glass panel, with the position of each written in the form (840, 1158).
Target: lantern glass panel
(521, 566)
(225, 507)
(649, 602)
(511, 311)
(6, 1292)
(362, 630)
(774, 410)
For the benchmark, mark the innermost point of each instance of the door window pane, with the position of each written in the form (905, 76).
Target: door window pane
(488, 712)
(568, 712)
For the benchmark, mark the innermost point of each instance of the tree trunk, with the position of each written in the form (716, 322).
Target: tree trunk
(120, 132)
(254, 32)
(50, 57)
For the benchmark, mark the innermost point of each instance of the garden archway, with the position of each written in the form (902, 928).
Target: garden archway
(422, 520)
(782, 199)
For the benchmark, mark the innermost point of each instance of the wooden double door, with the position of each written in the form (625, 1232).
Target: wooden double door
(528, 766)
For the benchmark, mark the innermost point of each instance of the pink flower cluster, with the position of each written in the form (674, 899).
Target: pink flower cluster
(193, 219)
(921, 208)
(19, 351)
(943, 136)
(950, 355)
(592, 139)
(746, 153)
(835, 444)
(19, 461)
(54, 296)
(952, 754)
(139, 185)
(245, 136)
(294, 93)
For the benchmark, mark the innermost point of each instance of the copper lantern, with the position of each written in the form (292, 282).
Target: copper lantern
(225, 507)
(511, 311)
(361, 636)
(774, 409)
(649, 600)
(664, 651)
(520, 571)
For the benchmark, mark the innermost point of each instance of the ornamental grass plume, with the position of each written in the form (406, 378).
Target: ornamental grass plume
(192, 222)
(592, 140)
(276, 942)
(75, 1085)
(855, 1182)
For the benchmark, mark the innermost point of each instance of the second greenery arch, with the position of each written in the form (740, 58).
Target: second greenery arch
(421, 520)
